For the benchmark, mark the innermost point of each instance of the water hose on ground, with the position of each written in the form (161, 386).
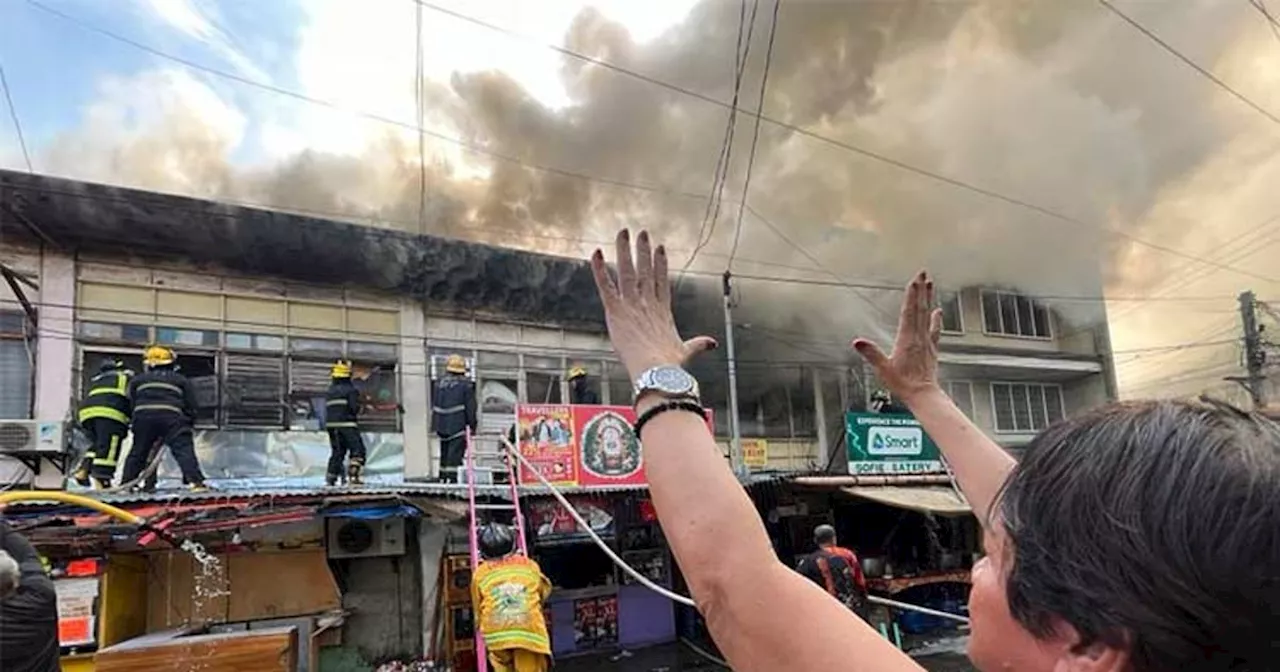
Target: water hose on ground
(643, 580)
(95, 505)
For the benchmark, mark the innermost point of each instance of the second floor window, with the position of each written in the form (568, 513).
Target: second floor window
(952, 313)
(1010, 314)
(1025, 407)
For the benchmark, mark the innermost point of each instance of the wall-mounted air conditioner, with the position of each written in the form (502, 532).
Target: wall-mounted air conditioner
(354, 538)
(32, 436)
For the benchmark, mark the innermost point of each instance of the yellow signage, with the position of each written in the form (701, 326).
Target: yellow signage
(755, 453)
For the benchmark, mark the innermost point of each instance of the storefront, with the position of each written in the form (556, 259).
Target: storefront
(594, 605)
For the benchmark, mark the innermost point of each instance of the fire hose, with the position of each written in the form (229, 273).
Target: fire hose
(644, 580)
(101, 507)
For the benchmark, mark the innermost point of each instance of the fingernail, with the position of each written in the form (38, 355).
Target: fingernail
(644, 236)
(929, 284)
(662, 249)
(597, 255)
(714, 344)
(626, 234)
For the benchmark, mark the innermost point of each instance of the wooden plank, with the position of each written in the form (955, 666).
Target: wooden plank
(282, 584)
(172, 598)
(266, 650)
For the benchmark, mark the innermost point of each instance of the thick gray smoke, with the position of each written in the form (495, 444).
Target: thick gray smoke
(1057, 104)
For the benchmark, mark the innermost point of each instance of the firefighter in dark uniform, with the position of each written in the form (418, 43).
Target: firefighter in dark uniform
(453, 412)
(342, 407)
(104, 415)
(580, 392)
(164, 411)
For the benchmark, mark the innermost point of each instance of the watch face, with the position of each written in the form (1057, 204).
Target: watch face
(672, 380)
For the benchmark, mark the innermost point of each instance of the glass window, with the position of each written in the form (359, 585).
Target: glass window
(12, 322)
(120, 333)
(618, 385)
(962, 394)
(189, 337)
(371, 352)
(1025, 407)
(1008, 314)
(15, 379)
(379, 396)
(952, 319)
(1042, 322)
(542, 387)
(315, 346)
(202, 371)
(991, 312)
(264, 342)
(490, 360)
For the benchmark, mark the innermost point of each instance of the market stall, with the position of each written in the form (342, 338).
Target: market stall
(594, 605)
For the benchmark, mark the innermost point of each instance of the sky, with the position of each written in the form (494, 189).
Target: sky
(1164, 177)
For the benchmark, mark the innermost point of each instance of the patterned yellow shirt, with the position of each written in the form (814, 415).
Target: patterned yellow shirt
(507, 595)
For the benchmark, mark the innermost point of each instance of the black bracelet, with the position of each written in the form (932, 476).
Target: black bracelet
(674, 405)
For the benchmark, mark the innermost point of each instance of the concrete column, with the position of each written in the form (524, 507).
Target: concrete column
(820, 418)
(56, 346)
(414, 382)
(432, 539)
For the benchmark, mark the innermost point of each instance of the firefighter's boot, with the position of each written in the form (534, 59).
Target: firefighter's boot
(354, 471)
(331, 479)
(81, 475)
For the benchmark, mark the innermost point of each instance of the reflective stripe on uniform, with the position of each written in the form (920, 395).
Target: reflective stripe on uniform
(164, 386)
(336, 402)
(450, 410)
(92, 412)
(331, 425)
(107, 390)
(121, 387)
(112, 454)
(157, 407)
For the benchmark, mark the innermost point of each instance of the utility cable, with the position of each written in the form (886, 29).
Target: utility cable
(472, 147)
(755, 136)
(1261, 6)
(862, 151)
(1190, 63)
(17, 125)
(644, 580)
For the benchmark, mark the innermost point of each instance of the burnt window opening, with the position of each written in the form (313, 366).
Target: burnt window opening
(1011, 314)
(952, 313)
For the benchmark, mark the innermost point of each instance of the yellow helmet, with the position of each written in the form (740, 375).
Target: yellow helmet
(455, 364)
(577, 372)
(158, 355)
(341, 369)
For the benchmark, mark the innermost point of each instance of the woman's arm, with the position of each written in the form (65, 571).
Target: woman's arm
(762, 615)
(911, 374)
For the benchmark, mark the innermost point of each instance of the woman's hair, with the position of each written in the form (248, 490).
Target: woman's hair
(1153, 527)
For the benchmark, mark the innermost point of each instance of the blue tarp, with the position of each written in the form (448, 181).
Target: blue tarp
(376, 512)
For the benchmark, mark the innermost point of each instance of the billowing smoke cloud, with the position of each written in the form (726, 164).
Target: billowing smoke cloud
(1056, 104)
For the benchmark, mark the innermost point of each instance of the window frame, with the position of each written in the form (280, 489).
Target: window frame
(959, 299)
(995, 415)
(1034, 305)
(27, 340)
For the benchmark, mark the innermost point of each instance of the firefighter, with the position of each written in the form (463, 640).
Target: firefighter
(580, 391)
(104, 416)
(882, 403)
(453, 412)
(342, 406)
(164, 411)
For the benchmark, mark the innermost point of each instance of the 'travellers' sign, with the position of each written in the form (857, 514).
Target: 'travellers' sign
(889, 444)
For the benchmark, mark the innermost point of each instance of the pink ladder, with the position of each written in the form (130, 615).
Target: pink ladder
(482, 659)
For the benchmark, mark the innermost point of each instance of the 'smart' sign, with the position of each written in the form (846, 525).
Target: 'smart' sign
(889, 444)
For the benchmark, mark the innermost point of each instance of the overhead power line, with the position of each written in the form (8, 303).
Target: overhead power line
(755, 135)
(876, 156)
(619, 183)
(17, 125)
(1190, 63)
(1261, 6)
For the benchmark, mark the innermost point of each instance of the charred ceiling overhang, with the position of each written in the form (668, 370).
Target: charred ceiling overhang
(450, 273)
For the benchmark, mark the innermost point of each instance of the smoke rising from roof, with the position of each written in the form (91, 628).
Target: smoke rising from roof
(1057, 104)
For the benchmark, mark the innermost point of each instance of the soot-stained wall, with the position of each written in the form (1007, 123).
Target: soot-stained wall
(461, 275)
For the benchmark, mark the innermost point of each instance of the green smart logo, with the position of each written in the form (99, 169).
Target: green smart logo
(895, 440)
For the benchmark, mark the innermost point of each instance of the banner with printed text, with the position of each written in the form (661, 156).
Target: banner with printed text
(889, 444)
(581, 445)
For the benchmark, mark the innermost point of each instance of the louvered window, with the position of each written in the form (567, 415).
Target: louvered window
(254, 394)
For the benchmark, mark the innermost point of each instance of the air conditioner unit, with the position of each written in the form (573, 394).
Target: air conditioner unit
(354, 538)
(32, 436)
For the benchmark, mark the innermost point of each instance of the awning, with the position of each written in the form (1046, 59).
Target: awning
(924, 498)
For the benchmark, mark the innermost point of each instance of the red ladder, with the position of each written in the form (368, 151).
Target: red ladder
(482, 659)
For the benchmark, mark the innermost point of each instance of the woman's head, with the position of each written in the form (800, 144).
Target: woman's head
(1140, 536)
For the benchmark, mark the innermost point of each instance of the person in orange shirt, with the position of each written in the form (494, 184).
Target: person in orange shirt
(507, 591)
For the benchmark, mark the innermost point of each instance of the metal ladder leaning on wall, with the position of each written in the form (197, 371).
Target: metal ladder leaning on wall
(474, 509)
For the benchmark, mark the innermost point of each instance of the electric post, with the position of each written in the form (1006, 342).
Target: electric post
(1255, 356)
(735, 435)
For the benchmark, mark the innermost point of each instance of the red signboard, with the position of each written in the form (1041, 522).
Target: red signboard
(581, 445)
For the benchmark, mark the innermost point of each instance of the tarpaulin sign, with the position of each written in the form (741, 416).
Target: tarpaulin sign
(582, 445)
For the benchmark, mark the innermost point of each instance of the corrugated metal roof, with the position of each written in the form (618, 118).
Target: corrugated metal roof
(181, 496)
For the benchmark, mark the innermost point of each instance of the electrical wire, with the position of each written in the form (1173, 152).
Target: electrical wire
(862, 151)
(644, 580)
(755, 136)
(472, 147)
(742, 51)
(17, 124)
(1261, 6)
(1190, 63)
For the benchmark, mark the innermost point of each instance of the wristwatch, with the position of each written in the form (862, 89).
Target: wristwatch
(669, 381)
